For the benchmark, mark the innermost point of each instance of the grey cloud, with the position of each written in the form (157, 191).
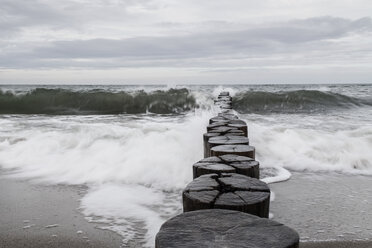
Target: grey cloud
(196, 45)
(297, 36)
(16, 15)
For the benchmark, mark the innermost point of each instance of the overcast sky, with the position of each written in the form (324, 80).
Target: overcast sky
(189, 41)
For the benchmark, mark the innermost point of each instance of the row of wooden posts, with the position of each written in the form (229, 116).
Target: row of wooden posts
(226, 205)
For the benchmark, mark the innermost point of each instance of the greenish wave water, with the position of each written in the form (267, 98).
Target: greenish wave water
(66, 101)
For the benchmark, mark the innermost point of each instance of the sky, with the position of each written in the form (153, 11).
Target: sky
(185, 42)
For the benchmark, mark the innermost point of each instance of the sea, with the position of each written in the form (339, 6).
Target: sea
(133, 146)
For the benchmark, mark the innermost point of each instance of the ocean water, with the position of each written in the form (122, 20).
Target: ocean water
(133, 146)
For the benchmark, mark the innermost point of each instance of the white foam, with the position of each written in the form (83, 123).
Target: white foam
(303, 144)
(52, 225)
(135, 169)
(219, 89)
(27, 226)
(272, 196)
(145, 152)
(128, 208)
(281, 174)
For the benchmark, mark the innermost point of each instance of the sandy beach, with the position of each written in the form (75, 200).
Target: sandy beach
(337, 244)
(326, 206)
(320, 207)
(34, 215)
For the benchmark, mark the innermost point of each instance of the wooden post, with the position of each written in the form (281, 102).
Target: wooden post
(224, 93)
(226, 140)
(224, 228)
(230, 163)
(227, 191)
(206, 137)
(241, 150)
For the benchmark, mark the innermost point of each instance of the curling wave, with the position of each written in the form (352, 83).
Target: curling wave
(294, 101)
(64, 101)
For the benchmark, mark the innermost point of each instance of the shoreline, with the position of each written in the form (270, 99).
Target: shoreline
(34, 215)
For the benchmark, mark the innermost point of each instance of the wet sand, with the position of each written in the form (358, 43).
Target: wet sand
(337, 244)
(34, 215)
(319, 206)
(326, 206)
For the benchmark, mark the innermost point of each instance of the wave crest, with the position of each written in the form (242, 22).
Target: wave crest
(293, 101)
(63, 101)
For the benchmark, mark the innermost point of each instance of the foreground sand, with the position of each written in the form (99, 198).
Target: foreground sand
(46, 216)
(337, 244)
(330, 206)
(325, 206)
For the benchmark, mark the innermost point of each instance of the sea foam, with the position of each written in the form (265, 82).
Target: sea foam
(138, 165)
(312, 143)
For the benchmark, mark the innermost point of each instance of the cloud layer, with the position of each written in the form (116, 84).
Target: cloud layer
(190, 40)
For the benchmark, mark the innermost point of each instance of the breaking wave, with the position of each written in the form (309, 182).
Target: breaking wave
(298, 101)
(64, 101)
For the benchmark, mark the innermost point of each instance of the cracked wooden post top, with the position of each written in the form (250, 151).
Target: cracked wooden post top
(227, 164)
(239, 124)
(223, 130)
(218, 132)
(228, 140)
(223, 117)
(218, 119)
(241, 150)
(227, 131)
(227, 191)
(223, 99)
(224, 93)
(220, 228)
(217, 122)
(225, 140)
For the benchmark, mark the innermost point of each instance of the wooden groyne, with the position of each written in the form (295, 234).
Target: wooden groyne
(226, 205)
(227, 164)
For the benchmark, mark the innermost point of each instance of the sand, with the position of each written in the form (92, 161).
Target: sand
(319, 206)
(326, 206)
(337, 244)
(47, 216)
